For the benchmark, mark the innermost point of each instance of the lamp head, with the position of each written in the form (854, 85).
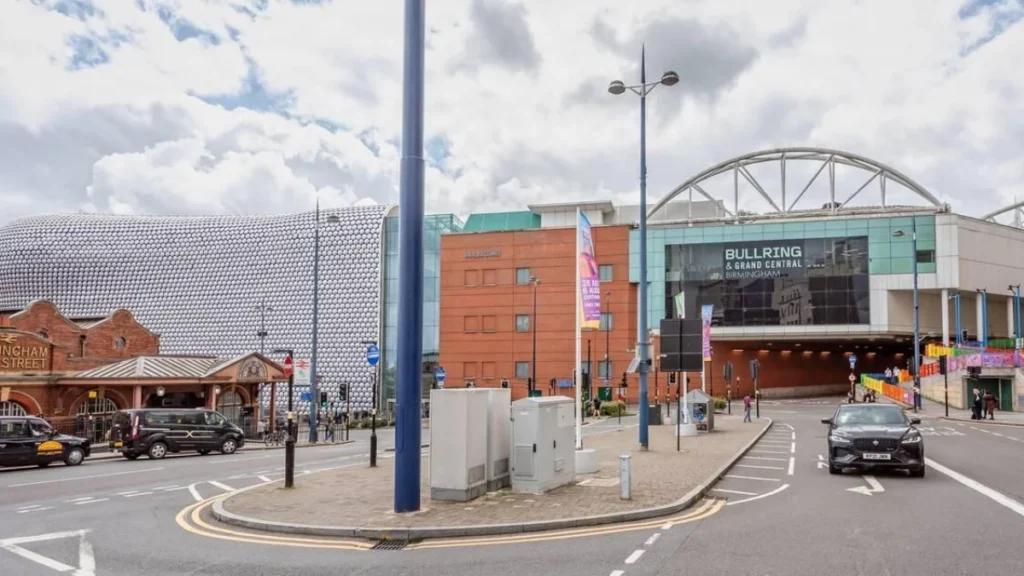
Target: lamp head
(616, 87)
(670, 78)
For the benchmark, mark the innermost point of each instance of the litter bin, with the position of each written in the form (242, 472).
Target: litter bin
(654, 415)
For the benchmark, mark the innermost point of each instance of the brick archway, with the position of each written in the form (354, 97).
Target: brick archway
(240, 389)
(26, 401)
(119, 400)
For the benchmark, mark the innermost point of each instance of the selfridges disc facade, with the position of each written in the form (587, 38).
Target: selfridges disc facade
(201, 282)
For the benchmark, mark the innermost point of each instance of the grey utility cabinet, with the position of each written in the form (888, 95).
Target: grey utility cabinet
(543, 444)
(702, 409)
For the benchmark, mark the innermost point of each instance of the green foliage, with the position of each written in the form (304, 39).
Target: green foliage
(616, 408)
(720, 403)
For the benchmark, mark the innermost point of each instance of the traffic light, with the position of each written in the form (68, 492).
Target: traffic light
(342, 391)
(323, 399)
(671, 377)
(728, 372)
(624, 374)
(942, 364)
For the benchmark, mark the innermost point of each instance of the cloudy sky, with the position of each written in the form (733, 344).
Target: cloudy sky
(243, 106)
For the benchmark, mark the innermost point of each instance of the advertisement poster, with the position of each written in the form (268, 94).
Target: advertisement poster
(680, 300)
(705, 325)
(764, 259)
(590, 278)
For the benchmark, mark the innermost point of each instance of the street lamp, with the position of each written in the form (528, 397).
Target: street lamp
(313, 381)
(642, 90)
(608, 337)
(289, 443)
(917, 316)
(533, 324)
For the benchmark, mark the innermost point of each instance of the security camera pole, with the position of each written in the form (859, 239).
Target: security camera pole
(289, 443)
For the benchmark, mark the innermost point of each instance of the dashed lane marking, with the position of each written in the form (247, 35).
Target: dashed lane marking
(30, 510)
(264, 478)
(764, 458)
(221, 486)
(792, 448)
(792, 463)
(76, 478)
(139, 494)
(92, 501)
(616, 573)
(752, 478)
(654, 538)
(634, 556)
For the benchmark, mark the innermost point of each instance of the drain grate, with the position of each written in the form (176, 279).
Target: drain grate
(391, 545)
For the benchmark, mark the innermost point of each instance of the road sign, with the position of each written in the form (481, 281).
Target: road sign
(306, 396)
(440, 374)
(372, 354)
(853, 361)
(604, 394)
(852, 378)
(288, 366)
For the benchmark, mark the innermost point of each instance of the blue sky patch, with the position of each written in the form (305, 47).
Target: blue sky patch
(254, 96)
(1003, 13)
(438, 149)
(86, 53)
(80, 10)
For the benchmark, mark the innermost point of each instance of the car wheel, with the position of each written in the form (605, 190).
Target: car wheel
(833, 469)
(917, 472)
(157, 450)
(228, 446)
(131, 456)
(74, 457)
(203, 452)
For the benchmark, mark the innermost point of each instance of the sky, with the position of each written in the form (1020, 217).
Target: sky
(264, 106)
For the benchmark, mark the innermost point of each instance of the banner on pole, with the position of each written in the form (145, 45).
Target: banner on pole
(705, 325)
(680, 301)
(590, 277)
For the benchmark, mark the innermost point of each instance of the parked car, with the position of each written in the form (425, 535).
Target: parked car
(157, 431)
(869, 436)
(31, 441)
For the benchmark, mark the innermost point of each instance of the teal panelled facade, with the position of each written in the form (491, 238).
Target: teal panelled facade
(887, 254)
(436, 225)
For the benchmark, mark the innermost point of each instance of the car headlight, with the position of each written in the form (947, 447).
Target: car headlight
(837, 439)
(912, 438)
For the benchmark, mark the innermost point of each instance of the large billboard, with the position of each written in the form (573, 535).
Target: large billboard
(766, 259)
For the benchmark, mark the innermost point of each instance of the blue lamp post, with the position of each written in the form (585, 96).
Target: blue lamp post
(314, 396)
(642, 90)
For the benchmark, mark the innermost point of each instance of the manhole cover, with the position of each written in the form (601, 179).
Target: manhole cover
(391, 545)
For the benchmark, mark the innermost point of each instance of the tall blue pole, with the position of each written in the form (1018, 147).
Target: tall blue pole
(314, 397)
(641, 335)
(409, 355)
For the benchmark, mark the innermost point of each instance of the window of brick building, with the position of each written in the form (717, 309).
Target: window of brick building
(472, 277)
(605, 272)
(606, 321)
(490, 323)
(604, 369)
(522, 322)
(469, 370)
(120, 343)
(522, 275)
(490, 277)
(522, 370)
(471, 324)
(487, 370)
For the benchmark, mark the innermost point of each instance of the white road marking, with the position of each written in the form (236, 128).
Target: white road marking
(634, 556)
(86, 557)
(138, 494)
(233, 459)
(752, 478)
(985, 431)
(974, 428)
(794, 436)
(616, 573)
(84, 477)
(783, 442)
(78, 499)
(667, 526)
(131, 492)
(997, 434)
(654, 538)
(758, 497)
(264, 478)
(875, 487)
(221, 486)
(30, 506)
(92, 501)
(760, 467)
(786, 425)
(165, 487)
(35, 510)
(175, 489)
(792, 448)
(764, 458)
(261, 471)
(792, 462)
(978, 487)
(759, 451)
(194, 492)
(740, 492)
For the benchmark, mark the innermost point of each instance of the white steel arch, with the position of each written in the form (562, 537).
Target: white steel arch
(1017, 209)
(828, 158)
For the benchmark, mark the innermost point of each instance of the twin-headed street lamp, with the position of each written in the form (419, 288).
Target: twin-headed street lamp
(642, 90)
(313, 381)
(917, 316)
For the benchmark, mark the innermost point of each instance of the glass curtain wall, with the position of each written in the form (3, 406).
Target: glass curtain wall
(435, 226)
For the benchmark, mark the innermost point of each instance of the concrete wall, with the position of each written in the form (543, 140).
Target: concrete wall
(991, 256)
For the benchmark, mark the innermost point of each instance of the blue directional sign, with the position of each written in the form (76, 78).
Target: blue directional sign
(853, 362)
(306, 397)
(372, 354)
(440, 374)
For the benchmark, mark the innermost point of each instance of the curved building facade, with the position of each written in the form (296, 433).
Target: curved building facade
(212, 285)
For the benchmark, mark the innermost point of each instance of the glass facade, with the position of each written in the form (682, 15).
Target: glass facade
(435, 226)
(771, 282)
(887, 254)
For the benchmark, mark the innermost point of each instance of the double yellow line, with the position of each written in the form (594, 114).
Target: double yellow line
(190, 519)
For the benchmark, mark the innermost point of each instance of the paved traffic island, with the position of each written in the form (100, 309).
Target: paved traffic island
(357, 501)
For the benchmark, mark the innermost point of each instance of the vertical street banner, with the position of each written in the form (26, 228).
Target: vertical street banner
(680, 301)
(589, 275)
(705, 326)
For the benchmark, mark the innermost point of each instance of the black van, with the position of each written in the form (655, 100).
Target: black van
(157, 431)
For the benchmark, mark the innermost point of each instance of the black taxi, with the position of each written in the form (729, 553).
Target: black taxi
(31, 441)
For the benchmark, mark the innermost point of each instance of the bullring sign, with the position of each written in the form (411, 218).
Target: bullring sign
(21, 352)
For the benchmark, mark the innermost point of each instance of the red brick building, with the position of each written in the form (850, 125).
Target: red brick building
(72, 368)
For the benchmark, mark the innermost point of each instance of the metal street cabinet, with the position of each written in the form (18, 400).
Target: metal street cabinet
(458, 443)
(543, 444)
(499, 438)
(702, 409)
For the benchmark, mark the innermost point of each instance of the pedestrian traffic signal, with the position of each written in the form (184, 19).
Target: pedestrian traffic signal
(624, 381)
(342, 391)
(671, 377)
(323, 399)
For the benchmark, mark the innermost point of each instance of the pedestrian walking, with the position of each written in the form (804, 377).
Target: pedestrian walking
(888, 375)
(746, 408)
(976, 405)
(990, 405)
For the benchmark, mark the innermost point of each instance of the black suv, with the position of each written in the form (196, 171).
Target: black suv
(30, 441)
(866, 436)
(157, 431)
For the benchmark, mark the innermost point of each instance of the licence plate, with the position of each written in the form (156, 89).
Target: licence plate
(871, 456)
(118, 444)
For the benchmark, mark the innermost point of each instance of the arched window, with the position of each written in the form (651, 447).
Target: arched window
(12, 409)
(120, 343)
(44, 334)
(230, 405)
(97, 406)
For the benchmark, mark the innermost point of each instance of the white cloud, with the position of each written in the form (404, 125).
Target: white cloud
(262, 105)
